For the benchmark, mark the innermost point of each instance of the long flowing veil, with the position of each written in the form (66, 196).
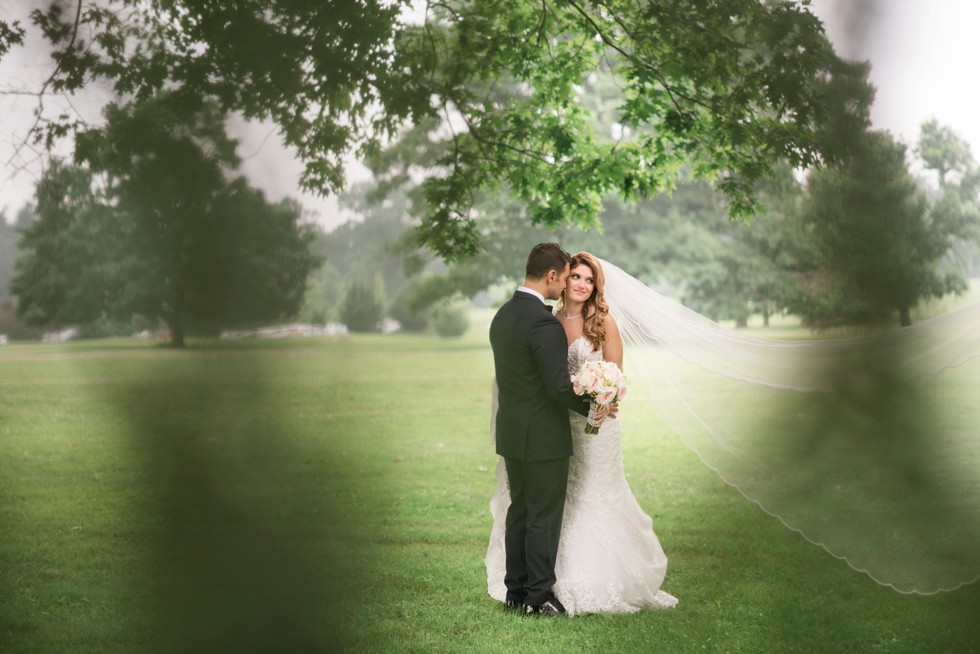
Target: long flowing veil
(866, 446)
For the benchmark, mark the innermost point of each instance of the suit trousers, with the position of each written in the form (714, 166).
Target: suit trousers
(537, 502)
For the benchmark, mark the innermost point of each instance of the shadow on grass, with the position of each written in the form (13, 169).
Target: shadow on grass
(252, 548)
(887, 465)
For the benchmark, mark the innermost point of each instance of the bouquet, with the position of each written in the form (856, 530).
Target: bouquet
(603, 383)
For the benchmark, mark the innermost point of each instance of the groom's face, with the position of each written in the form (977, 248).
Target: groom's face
(556, 283)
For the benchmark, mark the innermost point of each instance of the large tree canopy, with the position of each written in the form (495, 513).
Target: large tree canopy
(728, 88)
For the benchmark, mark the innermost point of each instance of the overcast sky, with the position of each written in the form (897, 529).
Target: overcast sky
(923, 54)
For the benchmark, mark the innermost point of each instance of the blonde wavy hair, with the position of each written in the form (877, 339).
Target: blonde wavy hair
(595, 309)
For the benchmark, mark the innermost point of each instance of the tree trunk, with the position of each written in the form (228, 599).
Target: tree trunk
(176, 326)
(904, 316)
(177, 334)
(741, 323)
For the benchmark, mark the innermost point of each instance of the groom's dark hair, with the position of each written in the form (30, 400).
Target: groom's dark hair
(545, 257)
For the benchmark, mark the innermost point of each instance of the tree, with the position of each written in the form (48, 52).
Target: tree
(315, 308)
(11, 34)
(874, 250)
(368, 248)
(318, 70)
(449, 319)
(362, 309)
(167, 236)
(507, 237)
(9, 248)
(253, 263)
(10, 251)
(362, 248)
(741, 267)
(728, 92)
(954, 208)
(944, 152)
(64, 274)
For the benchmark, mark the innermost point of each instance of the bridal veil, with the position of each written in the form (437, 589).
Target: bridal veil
(864, 445)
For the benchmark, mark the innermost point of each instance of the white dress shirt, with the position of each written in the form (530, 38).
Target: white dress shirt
(525, 289)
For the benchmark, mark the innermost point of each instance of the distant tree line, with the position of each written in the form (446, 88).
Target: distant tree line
(859, 242)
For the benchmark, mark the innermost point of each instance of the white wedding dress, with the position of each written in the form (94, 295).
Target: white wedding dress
(609, 558)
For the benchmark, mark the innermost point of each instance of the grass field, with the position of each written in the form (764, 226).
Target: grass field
(331, 495)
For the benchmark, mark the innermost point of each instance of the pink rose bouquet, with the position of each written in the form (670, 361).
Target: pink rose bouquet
(603, 383)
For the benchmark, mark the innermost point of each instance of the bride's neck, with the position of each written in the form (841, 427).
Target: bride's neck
(572, 308)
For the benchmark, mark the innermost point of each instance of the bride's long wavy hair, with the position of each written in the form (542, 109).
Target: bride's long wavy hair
(595, 309)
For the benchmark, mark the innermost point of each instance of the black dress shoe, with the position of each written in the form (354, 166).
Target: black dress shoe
(513, 605)
(551, 609)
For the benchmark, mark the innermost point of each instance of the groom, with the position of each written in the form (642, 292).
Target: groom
(530, 356)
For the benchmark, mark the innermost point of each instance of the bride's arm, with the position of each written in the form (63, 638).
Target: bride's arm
(612, 347)
(612, 350)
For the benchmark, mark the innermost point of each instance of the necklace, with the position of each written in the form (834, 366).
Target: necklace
(568, 317)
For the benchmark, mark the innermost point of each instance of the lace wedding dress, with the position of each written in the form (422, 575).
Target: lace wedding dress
(609, 558)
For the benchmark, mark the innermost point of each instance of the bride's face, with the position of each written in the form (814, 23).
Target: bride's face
(580, 285)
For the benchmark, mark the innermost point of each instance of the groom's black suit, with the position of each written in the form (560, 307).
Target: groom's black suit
(530, 354)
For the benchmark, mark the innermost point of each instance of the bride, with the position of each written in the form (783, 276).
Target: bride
(609, 558)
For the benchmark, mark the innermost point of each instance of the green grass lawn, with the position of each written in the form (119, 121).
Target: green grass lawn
(331, 495)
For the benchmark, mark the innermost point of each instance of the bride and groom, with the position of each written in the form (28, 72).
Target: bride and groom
(568, 536)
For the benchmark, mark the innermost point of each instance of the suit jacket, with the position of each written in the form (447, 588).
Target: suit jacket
(530, 357)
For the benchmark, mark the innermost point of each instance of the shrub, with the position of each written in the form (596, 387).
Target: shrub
(412, 321)
(449, 319)
(361, 310)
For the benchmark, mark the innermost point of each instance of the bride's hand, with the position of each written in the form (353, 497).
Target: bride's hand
(602, 411)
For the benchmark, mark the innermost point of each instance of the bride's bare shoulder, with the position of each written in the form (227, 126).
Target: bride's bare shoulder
(612, 346)
(610, 324)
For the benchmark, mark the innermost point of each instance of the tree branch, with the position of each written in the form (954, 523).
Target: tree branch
(39, 112)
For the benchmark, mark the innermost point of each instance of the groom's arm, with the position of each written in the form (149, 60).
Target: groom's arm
(550, 349)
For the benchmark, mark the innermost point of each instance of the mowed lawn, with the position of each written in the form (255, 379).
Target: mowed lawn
(317, 495)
